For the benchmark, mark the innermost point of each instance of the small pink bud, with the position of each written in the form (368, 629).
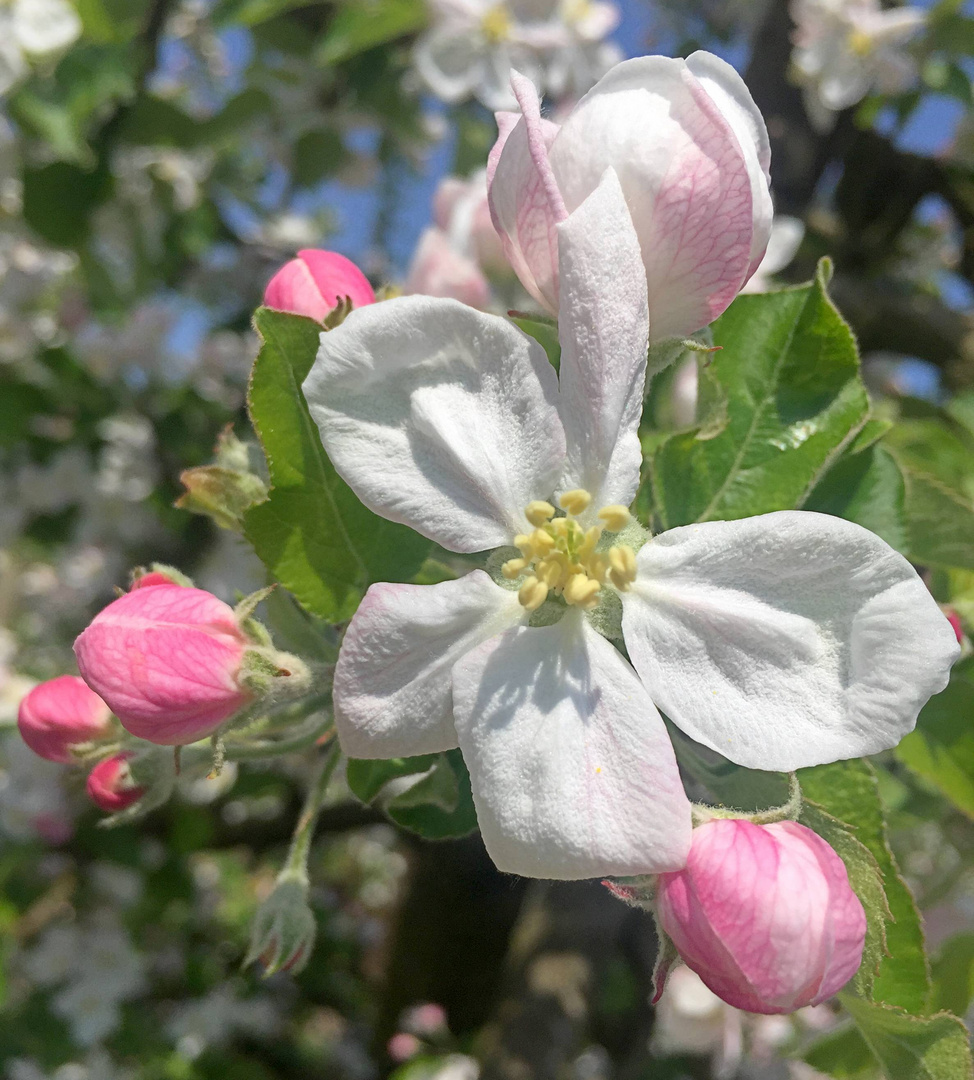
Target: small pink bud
(315, 283)
(59, 714)
(111, 786)
(154, 577)
(402, 1046)
(167, 661)
(764, 914)
(954, 619)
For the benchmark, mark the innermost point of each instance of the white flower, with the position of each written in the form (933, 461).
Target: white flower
(781, 641)
(473, 44)
(786, 238)
(35, 28)
(846, 48)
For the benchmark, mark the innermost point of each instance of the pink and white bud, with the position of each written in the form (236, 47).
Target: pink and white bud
(764, 914)
(315, 283)
(62, 713)
(691, 151)
(438, 269)
(168, 661)
(956, 625)
(111, 786)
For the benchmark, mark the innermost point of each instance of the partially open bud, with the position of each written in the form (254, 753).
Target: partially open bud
(284, 929)
(168, 660)
(315, 283)
(111, 786)
(62, 713)
(764, 914)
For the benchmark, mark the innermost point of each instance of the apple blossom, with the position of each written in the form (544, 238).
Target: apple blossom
(781, 641)
(33, 28)
(439, 269)
(62, 713)
(472, 45)
(692, 154)
(168, 660)
(315, 282)
(846, 48)
(111, 786)
(764, 914)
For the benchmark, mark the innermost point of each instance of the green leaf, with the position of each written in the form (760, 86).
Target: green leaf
(848, 791)
(252, 12)
(789, 370)
(312, 533)
(953, 975)
(842, 1053)
(438, 806)
(365, 24)
(941, 749)
(913, 512)
(911, 1047)
(545, 333)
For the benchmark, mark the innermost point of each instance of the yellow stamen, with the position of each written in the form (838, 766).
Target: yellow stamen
(861, 43)
(575, 501)
(616, 517)
(532, 594)
(513, 567)
(542, 542)
(622, 560)
(550, 572)
(539, 512)
(496, 24)
(581, 590)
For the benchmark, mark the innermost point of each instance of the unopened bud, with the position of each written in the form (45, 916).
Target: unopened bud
(111, 786)
(62, 713)
(283, 934)
(764, 914)
(315, 283)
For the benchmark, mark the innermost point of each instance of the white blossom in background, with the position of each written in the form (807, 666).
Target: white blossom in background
(786, 238)
(33, 29)
(213, 1020)
(844, 49)
(33, 804)
(472, 45)
(461, 248)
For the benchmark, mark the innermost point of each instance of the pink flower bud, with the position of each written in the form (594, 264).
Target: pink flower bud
(315, 282)
(167, 660)
(60, 713)
(154, 577)
(764, 914)
(954, 619)
(111, 786)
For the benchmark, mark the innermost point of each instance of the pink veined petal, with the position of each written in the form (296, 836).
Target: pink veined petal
(520, 206)
(393, 691)
(439, 417)
(573, 773)
(166, 661)
(685, 179)
(604, 329)
(732, 97)
(785, 640)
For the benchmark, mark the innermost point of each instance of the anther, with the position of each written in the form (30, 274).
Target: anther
(622, 560)
(539, 512)
(549, 572)
(581, 591)
(575, 501)
(588, 544)
(513, 567)
(541, 541)
(532, 594)
(616, 517)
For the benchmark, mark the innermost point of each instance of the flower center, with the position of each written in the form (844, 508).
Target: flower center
(560, 556)
(860, 42)
(496, 24)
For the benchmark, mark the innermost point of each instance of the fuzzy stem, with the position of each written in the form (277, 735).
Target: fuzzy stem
(296, 865)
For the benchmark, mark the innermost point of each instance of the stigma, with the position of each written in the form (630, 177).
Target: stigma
(559, 556)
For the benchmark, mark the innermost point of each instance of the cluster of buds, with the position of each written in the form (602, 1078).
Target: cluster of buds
(166, 663)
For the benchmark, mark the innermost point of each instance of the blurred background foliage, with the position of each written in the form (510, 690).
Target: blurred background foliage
(155, 168)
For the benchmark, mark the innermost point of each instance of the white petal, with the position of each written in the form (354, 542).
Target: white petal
(604, 329)
(439, 417)
(732, 97)
(785, 640)
(573, 773)
(393, 696)
(451, 60)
